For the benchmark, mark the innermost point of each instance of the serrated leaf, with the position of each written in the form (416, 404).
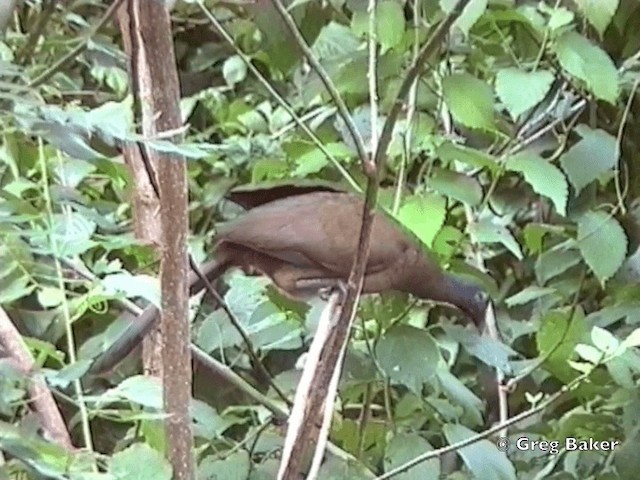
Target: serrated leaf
(592, 156)
(470, 100)
(408, 356)
(482, 458)
(487, 232)
(589, 63)
(545, 178)
(423, 215)
(456, 185)
(602, 243)
(520, 90)
(598, 12)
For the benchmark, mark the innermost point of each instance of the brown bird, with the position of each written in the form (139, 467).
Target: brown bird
(307, 243)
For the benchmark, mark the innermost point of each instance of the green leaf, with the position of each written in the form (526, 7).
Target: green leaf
(423, 215)
(482, 458)
(589, 63)
(140, 389)
(470, 15)
(234, 466)
(528, 294)
(557, 338)
(460, 395)
(633, 340)
(555, 262)
(604, 340)
(408, 356)
(592, 156)
(132, 286)
(602, 243)
(456, 185)
(598, 12)
(470, 100)
(407, 446)
(589, 353)
(390, 23)
(545, 178)
(449, 151)
(234, 70)
(485, 231)
(140, 461)
(520, 90)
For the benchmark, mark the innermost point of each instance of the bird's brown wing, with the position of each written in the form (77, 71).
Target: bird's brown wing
(320, 228)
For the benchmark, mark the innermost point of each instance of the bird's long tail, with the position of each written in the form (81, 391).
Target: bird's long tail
(142, 325)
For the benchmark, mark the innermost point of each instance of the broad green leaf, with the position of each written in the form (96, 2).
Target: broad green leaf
(407, 446)
(485, 231)
(555, 262)
(633, 340)
(139, 461)
(483, 457)
(545, 178)
(234, 70)
(408, 356)
(557, 339)
(604, 340)
(335, 41)
(470, 15)
(424, 215)
(314, 160)
(470, 100)
(521, 90)
(390, 23)
(589, 63)
(592, 156)
(598, 12)
(456, 185)
(449, 151)
(140, 389)
(132, 286)
(234, 466)
(460, 395)
(602, 242)
(589, 353)
(50, 297)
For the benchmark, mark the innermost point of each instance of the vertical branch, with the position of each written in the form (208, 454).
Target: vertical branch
(161, 113)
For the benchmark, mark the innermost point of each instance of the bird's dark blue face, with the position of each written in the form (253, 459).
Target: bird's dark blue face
(473, 302)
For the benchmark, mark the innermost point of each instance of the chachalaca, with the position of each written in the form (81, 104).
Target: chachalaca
(307, 243)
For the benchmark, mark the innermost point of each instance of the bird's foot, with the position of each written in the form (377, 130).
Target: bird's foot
(340, 288)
